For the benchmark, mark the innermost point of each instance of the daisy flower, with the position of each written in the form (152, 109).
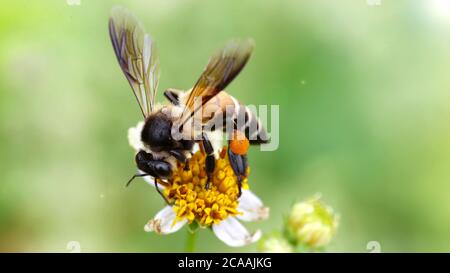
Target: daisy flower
(220, 207)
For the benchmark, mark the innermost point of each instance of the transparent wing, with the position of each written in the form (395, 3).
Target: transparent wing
(136, 53)
(221, 69)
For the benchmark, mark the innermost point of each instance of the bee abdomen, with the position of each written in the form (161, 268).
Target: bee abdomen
(232, 116)
(253, 129)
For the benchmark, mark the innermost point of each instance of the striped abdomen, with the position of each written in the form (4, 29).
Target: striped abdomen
(225, 112)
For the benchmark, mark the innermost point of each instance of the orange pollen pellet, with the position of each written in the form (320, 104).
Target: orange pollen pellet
(239, 143)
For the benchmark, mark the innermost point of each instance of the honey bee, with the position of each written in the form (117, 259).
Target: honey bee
(206, 103)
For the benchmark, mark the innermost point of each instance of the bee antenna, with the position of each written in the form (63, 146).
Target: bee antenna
(134, 176)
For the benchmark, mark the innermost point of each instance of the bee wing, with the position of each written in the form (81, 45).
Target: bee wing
(221, 69)
(136, 53)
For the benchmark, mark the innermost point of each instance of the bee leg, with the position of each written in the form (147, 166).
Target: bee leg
(210, 160)
(160, 193)
(239, 187)
(239, 165)
(172, 95)
(179, 155)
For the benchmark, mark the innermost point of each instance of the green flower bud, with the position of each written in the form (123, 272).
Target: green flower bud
(312, 223)
(275, 244)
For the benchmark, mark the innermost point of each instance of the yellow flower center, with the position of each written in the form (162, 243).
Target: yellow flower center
(192, 201)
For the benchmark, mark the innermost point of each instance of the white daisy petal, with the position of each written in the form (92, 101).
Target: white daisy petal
(234, 234)
(134, 137)
(251, 207)
(163, 222)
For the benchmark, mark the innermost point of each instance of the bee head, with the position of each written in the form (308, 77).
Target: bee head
(157, 132)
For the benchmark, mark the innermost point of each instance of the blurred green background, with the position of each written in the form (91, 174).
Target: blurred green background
(364, 103)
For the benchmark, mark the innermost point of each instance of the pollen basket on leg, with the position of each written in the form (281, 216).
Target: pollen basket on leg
(192, 201)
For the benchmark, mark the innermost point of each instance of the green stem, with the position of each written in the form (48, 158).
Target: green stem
(191, 240)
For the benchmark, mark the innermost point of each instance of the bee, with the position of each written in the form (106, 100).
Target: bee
(206, 103)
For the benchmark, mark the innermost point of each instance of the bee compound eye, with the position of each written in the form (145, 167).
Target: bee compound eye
(163, 169)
